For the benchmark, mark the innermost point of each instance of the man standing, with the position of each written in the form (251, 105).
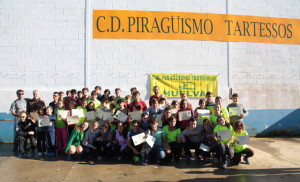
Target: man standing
(16, 108)
(156, 94)
(36, 103)
(54, 103)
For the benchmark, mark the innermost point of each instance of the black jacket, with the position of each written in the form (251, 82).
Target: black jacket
(25, 127)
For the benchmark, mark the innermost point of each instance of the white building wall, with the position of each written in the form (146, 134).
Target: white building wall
(43, 43)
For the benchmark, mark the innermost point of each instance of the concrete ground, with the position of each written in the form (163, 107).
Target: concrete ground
(275, 159)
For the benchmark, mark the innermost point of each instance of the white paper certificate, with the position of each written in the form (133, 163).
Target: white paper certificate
(174, 111)
(242, 140)
(203, 112)
(163, 106)
(108, 116)
(77, 112)
(184, 115)
(204, 147)
(235, 111)
(62, 114)
(34, 116)
(138, 139)
(99, 113)
(224, 134)
(90, 116)
(158, 118)
(121, 116)
(136, 115)
(150, 140)
(45, 122)
(72, 120)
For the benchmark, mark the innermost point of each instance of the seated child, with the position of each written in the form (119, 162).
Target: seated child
(191, 139)
(208, 140)
(120, 145)
(239, 150)
(225, 145)
(104, 142)
(89, 148)
(26, 129)
(160, 147)
(134, 151)
(172, 136)
(74, 144)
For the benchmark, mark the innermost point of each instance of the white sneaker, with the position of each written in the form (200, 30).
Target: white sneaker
(40, 154)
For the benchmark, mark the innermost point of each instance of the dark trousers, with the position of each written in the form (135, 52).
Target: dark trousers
(175, 150)
(191, 145)
(224, 150)
(41, 141)
(50, 141)
(214, 149)
(87, 151)
(237, 156)
(130, 151)
(104, 149)
(117, 151)
(22, 140)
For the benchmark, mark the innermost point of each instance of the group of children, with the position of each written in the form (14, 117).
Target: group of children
(170, 130)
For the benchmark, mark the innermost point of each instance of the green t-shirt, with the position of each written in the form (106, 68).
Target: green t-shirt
(171, 135)
(213, 119)
(75, 139)
(220, 127)
(116, 102)
(97, 103)
(81, 119)
(239, 148)
(59, 122)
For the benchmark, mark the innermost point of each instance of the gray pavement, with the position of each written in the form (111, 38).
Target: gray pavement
(275, 159)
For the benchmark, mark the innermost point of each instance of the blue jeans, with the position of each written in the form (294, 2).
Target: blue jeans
(156, 150)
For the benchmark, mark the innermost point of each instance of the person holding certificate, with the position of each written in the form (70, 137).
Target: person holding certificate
(154, 109)
(241, 139)
(191, 139)
(160, 147)
(224, 134)
(208, 143)
(135, 151)
(184, 114)
(50, 132)
(61, 132)
(236, 111)
(74, 144)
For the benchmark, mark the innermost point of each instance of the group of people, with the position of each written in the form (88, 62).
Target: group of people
(175, 127)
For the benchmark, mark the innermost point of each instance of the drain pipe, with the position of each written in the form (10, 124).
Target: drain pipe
(228, 53)
(87, 43)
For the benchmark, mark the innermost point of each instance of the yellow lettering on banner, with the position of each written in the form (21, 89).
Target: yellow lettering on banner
(172, 85)
(122, 24)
